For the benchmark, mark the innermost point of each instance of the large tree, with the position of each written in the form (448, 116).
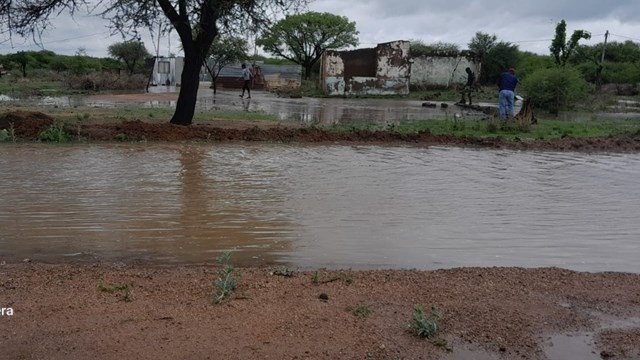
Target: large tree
(23, 59)
(131, 52)
(303, 38)
(484, 45)
(225, 51)
(197, 22)
(496, 56)
(560, 48)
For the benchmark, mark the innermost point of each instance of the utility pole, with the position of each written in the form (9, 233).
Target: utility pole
(601, 65)
(604, 46)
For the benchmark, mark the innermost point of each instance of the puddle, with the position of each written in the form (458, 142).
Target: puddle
(581, 345)
(574, 346)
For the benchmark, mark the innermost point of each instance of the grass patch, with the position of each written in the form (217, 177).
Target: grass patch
(123, 291)
(425, 326)
(360, 311)
(545, 129)
(16, 86)
(316, 277)
(226, 284)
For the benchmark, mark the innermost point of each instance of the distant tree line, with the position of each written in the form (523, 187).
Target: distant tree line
(79, 64)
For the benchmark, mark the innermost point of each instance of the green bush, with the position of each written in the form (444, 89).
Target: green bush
(555, 88)
(55, 133)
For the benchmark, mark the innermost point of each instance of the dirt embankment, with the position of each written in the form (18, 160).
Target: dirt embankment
(85, 312)
(27, 126)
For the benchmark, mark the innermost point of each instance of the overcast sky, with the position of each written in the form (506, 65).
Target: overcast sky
(530, 24)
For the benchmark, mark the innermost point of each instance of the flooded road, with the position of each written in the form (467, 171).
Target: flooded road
(308, 111)
(363, 207)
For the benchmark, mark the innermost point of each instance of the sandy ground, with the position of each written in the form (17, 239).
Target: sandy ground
(74, 311)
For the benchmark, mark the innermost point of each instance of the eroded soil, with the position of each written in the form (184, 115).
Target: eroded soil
(73, 312)
(27, 126)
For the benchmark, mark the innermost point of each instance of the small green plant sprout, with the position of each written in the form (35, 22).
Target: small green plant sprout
(425, 326)
(123, 291)
(361, 311)
(121, 137)
(226, 283)
(286, 272)
(316, 277)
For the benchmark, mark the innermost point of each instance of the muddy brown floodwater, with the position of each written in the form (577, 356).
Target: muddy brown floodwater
(121, 309)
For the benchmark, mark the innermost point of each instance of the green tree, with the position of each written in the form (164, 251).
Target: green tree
(501, 56)
(529, 62)
(481, 44)
(555, 88)
(560, 48)
(130, 52)
(305, 37)
(225, 51)
(197, 22)
(23, 59)
(621, 63)
(496, 56)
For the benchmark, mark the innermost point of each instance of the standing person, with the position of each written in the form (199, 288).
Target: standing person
(468, 87)
(507, 84)
(246, 76)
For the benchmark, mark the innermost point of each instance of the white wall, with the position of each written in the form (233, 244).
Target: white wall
(441, 71)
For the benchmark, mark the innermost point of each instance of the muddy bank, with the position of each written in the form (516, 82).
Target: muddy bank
(28, 125)
(75, 312)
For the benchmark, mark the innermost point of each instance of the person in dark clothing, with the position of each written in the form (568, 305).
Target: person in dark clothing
(468, 87)
(246, 76)
(507, 85)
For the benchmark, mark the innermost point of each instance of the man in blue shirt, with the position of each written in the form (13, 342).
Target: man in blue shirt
(508, 82)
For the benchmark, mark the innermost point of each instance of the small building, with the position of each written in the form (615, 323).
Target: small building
(442, 70)
(167, 71)
(265, 76)
(383, 70)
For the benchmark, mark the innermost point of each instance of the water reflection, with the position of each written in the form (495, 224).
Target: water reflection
(309, 111)
(308, 206)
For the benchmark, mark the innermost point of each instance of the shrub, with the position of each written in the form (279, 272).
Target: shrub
(226, 283)
(55, 133)
(555, 88)
(426, 326)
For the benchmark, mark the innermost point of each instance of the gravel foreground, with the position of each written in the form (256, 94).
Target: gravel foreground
(118, 311)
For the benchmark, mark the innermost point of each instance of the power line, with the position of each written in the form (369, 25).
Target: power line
(529, 41)
(626, 37)
(78, 37)
(61, 40)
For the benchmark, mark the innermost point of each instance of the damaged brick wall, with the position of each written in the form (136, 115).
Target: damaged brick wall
(383, 70)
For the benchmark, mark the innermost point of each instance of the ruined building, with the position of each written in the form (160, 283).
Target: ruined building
(388, 69)
(383, 70)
